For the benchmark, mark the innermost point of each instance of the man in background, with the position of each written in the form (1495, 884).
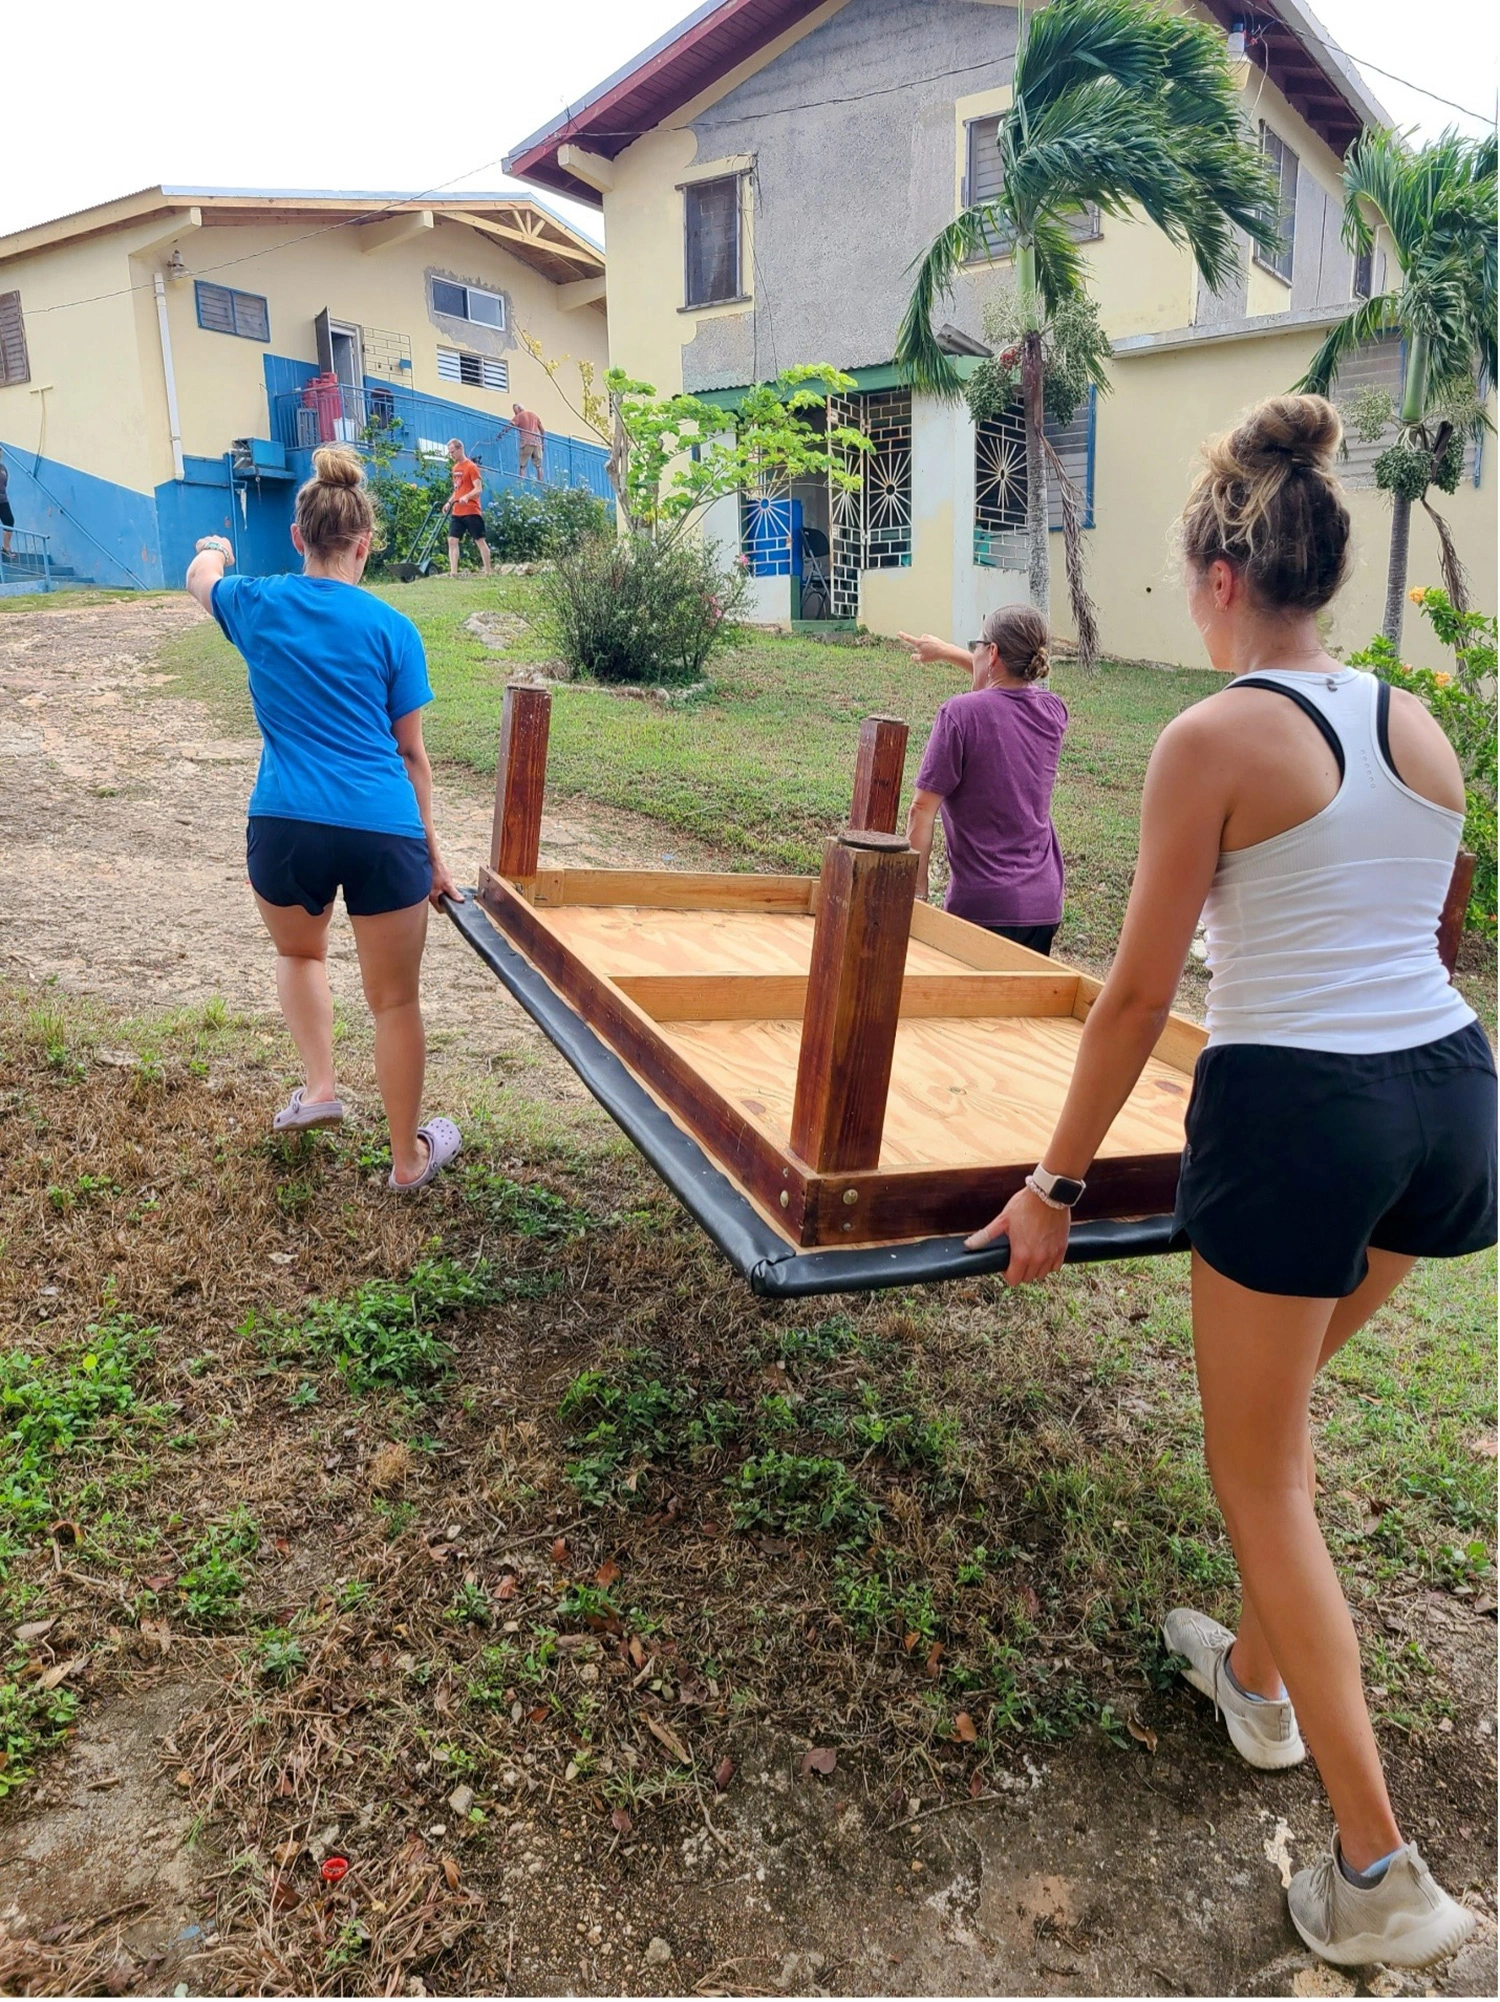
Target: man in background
(465, 508)
(529, 436)
(7, 519)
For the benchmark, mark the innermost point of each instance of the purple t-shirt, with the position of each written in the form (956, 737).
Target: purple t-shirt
(992, 757)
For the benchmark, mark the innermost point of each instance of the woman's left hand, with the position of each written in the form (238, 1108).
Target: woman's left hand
(443, 884)
(1038, 1236)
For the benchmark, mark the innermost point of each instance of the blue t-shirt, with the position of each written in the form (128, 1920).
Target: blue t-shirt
(331, 670)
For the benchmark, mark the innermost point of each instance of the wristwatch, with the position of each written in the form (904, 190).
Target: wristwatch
(1062, 1192)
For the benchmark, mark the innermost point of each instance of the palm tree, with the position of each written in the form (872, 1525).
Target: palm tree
(1116, 105)
(1436, 205)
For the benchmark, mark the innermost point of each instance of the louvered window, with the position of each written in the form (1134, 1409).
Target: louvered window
(14, 365)
(1283, 163)
(984, 177)
(711, 212)
(476, 371)
(223, 311)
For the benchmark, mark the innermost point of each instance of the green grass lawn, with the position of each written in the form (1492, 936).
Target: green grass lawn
(762, 765)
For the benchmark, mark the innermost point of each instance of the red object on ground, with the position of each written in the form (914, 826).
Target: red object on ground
(335, 1868)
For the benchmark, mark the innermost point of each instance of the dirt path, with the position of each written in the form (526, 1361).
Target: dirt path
(122, 878)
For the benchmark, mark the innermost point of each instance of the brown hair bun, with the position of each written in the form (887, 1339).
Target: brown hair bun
(1019, 635)
(333, 507)
(1268, 503)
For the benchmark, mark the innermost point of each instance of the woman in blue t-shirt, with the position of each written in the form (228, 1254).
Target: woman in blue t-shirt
(338, 681)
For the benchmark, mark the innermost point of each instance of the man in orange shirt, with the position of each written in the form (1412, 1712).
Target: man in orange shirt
(465, 508)
(529, 436)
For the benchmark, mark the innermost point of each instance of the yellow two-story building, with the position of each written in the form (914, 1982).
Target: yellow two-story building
(168, 362)
(769, 170)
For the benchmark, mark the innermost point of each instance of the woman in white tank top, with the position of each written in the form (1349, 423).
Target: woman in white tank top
(1343, 1116)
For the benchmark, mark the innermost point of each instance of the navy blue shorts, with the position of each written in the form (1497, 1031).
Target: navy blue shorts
(304, 862)
(1297, 1161)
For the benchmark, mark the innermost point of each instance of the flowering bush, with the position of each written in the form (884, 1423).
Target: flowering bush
(640, 611)
(1464, 702)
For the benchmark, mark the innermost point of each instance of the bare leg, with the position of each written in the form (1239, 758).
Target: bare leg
(390, 965)
(453, 546)
(301, 943)
(1257, 1355)
(1251, 1659)
(484, 556)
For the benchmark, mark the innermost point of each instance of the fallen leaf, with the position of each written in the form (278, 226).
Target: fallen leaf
(967, 1729)
(723, 1774)
(621, 1822)
(607, 1573)
(36, 1630)
(560, 1550)
(976, 1785)
(539, 1714)
(450, 1871)
(506, 1589)
(62, 1671)
(285, 1854)
(909, 1641)
(934, 1657)
(637, 1652)
(665, 1735)
(821, 1759)
(283, 1897)
(1142, 1733)
(185, 1777)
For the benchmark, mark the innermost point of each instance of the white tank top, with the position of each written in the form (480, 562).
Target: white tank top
(1325, 937)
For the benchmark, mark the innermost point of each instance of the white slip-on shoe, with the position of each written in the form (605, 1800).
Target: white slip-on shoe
(1264, 1732)
(1405, 1920)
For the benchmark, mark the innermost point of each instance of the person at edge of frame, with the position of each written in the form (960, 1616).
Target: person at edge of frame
(990, 767)
(1342, 1118)
(343, 798)
(7, 513)
(464, 508)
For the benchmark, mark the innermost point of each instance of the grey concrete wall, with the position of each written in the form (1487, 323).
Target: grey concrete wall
(853, 138)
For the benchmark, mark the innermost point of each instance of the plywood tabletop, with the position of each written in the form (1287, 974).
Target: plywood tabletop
(625, 940)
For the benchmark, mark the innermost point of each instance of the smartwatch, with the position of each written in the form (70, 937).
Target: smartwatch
(1063, 1192)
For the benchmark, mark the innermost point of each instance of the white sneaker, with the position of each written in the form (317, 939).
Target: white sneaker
(1406, 1920)
(1263, 1731)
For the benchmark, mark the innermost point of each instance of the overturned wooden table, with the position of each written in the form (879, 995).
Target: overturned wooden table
(837, 1080)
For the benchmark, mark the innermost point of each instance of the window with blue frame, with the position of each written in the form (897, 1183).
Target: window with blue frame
(224, 311)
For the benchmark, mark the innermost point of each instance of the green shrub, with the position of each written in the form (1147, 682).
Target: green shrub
(401, 507)
(530, 525)
(792, 1494)
(640, 611)
(1464, 702)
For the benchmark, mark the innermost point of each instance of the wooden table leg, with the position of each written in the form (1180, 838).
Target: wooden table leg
(1455, 906)
(877, 774)
(865, 898)
(520, 780)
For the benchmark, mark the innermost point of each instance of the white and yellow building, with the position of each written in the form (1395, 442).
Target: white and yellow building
(169, 360)
(769, 170)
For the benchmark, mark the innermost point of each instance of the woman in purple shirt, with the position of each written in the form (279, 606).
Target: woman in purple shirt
(990, 766)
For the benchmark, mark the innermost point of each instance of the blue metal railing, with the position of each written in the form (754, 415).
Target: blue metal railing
(408, 427)
(26, 564)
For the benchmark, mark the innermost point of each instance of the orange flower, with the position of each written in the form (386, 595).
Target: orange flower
(1418, 594)
(1442, 680)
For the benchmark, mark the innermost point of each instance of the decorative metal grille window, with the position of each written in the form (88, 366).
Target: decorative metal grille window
(711, 231)
(468, 302)
(15, 365)
(223, 311)
(984, 178)
(1000, 482)
(1284, 167)
(886, 488)
(476, 371)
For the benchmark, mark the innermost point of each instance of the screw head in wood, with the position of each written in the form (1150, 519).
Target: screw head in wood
(851, 1196)
(786, 1200)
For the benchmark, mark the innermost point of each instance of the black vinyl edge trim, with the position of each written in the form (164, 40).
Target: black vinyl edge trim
(774, 1269)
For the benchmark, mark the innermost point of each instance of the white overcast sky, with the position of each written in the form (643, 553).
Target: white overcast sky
(101, 99)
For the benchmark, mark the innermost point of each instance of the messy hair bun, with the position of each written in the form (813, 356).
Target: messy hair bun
(333, 508)
(1019, 635)
(1267, 502)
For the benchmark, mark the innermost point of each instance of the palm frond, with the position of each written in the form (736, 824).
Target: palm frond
(1374, 317)
(922, 361)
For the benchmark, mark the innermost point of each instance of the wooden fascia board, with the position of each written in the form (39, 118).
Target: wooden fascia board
(92, 222)
(580, 292)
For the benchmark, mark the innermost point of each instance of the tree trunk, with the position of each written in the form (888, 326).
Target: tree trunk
(1395, 576)
(1037, 553)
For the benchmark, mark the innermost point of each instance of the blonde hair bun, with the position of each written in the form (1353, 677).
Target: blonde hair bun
(1305, 430)
(337, 466)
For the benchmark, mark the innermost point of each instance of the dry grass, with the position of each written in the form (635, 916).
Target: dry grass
(571, 1594)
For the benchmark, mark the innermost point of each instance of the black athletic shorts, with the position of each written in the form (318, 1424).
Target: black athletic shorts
(1038, 937)
(470, 525)
(7, 519)
(303, 862)
(1297, 1161)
